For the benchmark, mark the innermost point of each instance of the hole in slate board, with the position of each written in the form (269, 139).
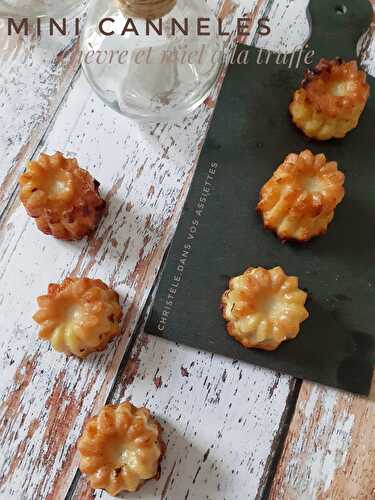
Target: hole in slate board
(341, 9)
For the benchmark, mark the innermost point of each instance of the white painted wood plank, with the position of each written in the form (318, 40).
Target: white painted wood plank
(34, 75)
(330, 449)
(221, 421)
(144, 175)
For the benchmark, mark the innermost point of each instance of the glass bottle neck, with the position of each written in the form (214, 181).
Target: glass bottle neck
(146, 9)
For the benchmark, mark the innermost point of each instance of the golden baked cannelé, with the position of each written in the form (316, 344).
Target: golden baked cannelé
(121, 448)
(330, 100)
(79, 316)
(62, 197)
(299, 200)
(264, 308)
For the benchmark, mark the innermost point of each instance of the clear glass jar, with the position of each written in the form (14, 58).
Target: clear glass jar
(147, 75)
(42, 8)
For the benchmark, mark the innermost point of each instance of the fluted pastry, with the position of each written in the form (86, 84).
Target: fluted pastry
(331, 99)
(121, 448)
(264, 308)
(79, 316)
(299, 200)
(62, 197)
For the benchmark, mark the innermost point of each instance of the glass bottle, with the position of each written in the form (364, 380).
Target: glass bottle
(152, 59)
(44, 9)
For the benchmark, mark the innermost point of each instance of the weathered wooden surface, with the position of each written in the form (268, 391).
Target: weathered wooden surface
(145, 173)
(149, 180)
(330, 448)
(221, 421)
(34, 76)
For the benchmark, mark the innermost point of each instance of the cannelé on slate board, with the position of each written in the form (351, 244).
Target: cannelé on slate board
(298, 203)
(264, 308)
(331, 99)
(299, 200)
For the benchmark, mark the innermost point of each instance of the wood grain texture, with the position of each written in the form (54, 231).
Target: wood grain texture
(221, 419)
(330, 448)
(35, 74)
(145, 173)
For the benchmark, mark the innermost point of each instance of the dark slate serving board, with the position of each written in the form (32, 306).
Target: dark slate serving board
(250, 135)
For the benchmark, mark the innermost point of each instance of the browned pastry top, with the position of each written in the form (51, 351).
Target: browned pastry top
(61, 196)
(264, 307)
(299, 200)
(121, 448)
(79, 316)
(331, 99)
(336, 86)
